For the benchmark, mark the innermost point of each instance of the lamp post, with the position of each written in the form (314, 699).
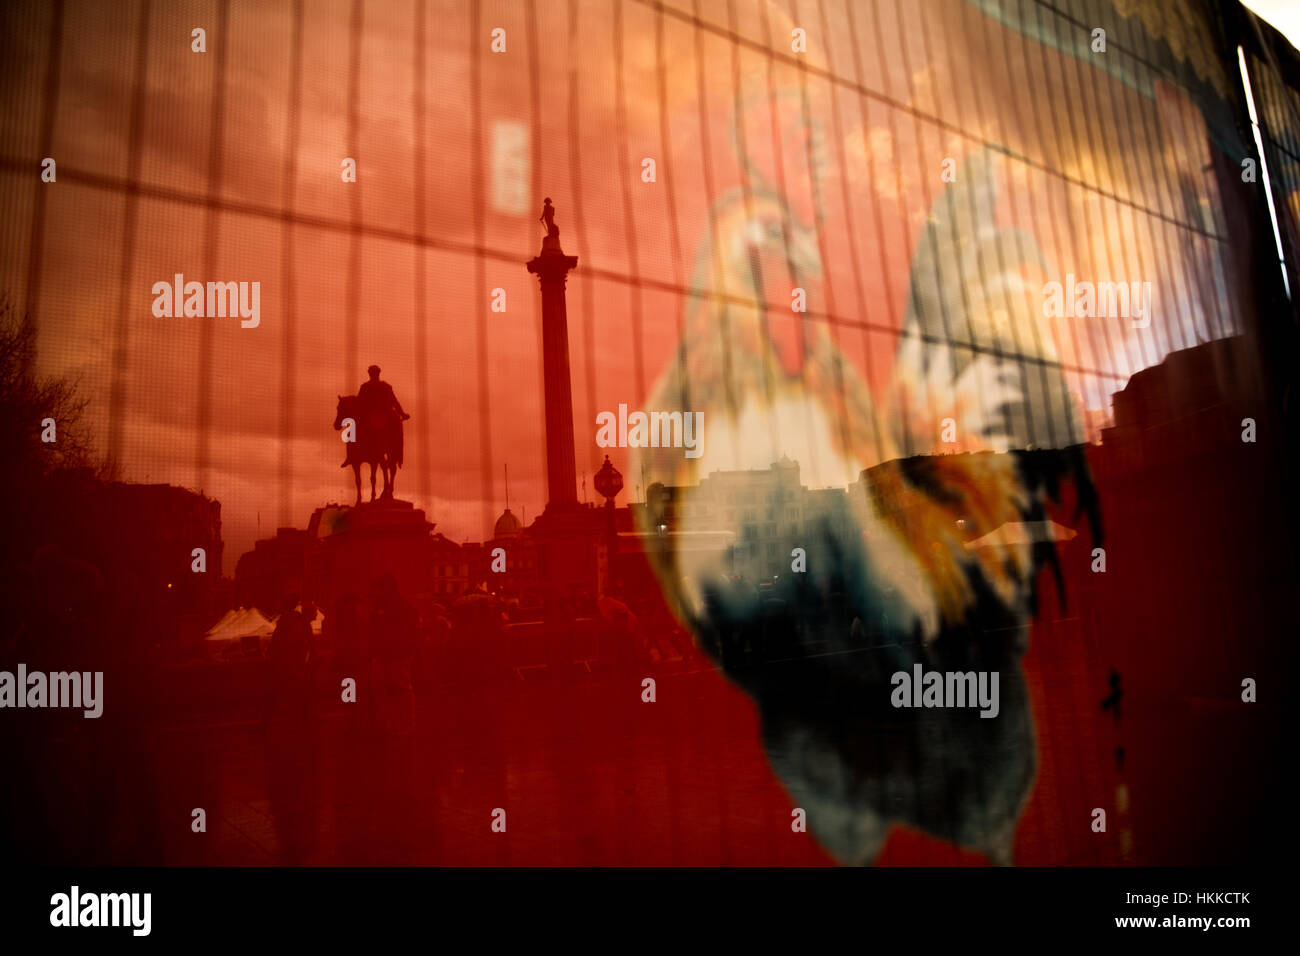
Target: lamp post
(609, 482)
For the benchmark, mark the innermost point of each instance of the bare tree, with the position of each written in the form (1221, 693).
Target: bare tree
(27, 400)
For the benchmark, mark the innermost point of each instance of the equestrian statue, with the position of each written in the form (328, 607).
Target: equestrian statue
(374, 419)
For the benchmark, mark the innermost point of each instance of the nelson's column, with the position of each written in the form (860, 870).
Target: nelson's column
(572, 552)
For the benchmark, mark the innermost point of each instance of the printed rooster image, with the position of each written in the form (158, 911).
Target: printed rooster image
(931, 554)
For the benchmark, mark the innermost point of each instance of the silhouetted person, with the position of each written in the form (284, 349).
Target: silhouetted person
(290, 654)
(309, 614)
(1112, 702)
(290, 753)
(347, 633)
(393, 633)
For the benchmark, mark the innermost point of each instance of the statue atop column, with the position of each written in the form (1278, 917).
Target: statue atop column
(552, 267)
(552, 240)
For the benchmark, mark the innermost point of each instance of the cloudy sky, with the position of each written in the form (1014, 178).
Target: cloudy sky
(224, 165)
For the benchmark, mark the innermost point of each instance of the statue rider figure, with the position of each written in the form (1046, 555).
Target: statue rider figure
(377, 399)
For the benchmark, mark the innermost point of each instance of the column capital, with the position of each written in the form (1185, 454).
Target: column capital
(552, 264)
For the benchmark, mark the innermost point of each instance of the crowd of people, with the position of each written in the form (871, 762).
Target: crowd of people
(373, 647)
(378, 653)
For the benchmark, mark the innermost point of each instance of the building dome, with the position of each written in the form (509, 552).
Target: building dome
(507, 525)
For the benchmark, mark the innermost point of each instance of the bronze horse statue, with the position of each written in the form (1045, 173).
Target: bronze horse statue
(377, 441)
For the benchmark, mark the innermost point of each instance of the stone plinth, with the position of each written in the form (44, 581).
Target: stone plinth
(365, 542)
(572, 550)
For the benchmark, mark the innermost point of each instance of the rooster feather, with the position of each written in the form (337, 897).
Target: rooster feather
(894, 577)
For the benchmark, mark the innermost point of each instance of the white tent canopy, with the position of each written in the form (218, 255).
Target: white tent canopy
(239, 623)
(232, 636)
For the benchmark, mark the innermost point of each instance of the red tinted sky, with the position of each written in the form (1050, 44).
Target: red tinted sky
(387, 270)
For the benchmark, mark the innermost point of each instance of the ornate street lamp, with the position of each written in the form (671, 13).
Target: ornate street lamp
(608, 482)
